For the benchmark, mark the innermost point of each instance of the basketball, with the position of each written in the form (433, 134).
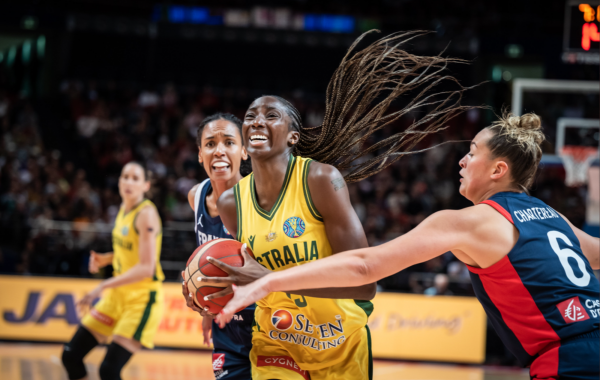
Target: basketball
(227, 251)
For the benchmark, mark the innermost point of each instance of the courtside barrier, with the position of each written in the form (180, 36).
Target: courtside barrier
(403, 326)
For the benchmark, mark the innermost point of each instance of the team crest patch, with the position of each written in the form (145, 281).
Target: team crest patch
(271, 236)
(294, 227)
(225, 229)
(124, 231)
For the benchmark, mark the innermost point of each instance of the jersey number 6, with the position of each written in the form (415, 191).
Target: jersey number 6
(564, 254)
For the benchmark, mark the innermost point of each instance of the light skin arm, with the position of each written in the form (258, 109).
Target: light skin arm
(342, 226)
(442, 232)
(590, 246)
(148, 226)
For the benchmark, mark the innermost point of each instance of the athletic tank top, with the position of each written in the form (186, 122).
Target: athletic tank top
(312, 330)
(544, 290)
(209, 228)
(126, 240)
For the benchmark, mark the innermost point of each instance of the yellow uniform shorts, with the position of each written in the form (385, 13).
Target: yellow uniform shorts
(133, 314)
(272, 361)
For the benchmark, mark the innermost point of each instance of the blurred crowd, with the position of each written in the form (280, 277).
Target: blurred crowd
(68, 171)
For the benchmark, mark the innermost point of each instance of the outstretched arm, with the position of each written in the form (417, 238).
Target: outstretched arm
(437, 234)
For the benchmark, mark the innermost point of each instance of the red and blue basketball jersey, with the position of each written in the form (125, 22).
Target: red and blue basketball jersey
(544, 290)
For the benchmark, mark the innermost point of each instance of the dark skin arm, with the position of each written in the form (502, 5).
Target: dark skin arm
(343, 228)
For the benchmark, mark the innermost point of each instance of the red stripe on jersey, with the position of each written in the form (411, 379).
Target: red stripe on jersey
(546, 365)
(500, 209)
(518, 309)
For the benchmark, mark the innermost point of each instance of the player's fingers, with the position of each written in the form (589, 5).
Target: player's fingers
(220, 294)
(245, 254)
(224, 317)
(221, 265)
(217, 280)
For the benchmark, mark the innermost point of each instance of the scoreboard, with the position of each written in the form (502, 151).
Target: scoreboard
(582, 32)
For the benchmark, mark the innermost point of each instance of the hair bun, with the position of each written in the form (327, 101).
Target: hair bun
(530, 121)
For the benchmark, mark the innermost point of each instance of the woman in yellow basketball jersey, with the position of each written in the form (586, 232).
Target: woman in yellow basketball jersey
(132, 300)
(294, 210)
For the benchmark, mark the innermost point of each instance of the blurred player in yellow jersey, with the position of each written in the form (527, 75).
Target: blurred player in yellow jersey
(132, 300)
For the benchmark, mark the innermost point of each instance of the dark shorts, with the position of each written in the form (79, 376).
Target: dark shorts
(576, 358)
(232, 344)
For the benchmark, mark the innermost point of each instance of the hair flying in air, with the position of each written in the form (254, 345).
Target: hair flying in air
(359, 95)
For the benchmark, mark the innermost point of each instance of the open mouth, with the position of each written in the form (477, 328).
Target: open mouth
(220, 166)
(258, 139)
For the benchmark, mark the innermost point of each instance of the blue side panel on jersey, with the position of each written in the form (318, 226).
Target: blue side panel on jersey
(495, 318)
(540, 267)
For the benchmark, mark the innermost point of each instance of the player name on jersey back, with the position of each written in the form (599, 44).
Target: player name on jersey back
(535, 213)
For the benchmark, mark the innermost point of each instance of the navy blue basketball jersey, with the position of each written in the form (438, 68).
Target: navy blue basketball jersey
(232, 344)
(544, 291)
(207, 227)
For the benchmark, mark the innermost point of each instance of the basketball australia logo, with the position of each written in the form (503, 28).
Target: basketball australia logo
(282, 320)
(294, 227)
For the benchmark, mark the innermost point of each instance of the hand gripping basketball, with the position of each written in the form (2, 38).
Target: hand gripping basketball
(249, 272)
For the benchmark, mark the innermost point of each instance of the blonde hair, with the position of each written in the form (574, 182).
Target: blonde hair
(518, 139)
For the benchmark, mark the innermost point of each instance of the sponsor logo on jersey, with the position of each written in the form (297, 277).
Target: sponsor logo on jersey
(124, 230)
(282, 320)
(251, 241)
(594, 307)
(572, 311)
(294, 227)
(102, 318)
(218, 362)
(330, 334)
(282, 362)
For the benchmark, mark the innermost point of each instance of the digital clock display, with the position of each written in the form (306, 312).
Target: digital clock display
(582, 27)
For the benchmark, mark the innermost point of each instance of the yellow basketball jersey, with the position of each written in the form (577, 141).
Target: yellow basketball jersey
(125, 239)
(315, 331)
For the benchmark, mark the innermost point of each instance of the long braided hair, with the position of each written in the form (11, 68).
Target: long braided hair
(353, 111)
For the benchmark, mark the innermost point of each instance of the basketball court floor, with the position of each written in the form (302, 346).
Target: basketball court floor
(25, 361)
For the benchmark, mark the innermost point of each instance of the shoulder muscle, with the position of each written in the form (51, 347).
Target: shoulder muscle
(192, 196)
